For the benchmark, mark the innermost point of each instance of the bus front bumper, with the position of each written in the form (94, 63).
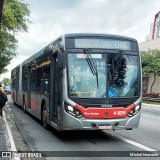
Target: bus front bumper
(72, 123)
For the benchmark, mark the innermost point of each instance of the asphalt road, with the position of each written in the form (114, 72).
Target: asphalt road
(29, 134)
(148, 132)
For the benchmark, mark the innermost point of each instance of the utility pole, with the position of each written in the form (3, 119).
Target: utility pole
(1, 8)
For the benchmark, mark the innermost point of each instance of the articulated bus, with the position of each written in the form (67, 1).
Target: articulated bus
(82, 82)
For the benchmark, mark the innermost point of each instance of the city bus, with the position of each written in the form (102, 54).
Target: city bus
(82, 82)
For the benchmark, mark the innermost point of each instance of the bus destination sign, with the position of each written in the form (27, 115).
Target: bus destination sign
(102, 43)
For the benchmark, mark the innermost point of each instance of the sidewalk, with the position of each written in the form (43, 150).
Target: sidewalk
(4, 140)
(9, 134)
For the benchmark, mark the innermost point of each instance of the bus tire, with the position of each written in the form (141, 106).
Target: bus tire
(24, 106)
(44, 116)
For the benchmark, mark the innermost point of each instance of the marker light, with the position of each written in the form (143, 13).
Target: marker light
(131, 112)
(77, 113)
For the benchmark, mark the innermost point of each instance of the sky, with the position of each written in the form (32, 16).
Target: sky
(52, 18)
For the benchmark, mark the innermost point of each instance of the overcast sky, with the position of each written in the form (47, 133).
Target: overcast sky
(52, 18)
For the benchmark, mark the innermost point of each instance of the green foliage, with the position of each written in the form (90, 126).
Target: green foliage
(14, 19)
(7, 49)
(151, 61)
(6, 81)
(15, 16)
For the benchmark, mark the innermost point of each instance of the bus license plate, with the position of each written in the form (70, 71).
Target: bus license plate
(105, 126)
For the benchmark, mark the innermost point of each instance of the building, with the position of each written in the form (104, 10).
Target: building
(148, 79)
(152, 43)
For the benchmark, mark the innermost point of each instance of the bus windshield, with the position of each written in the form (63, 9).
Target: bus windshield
(117, 75)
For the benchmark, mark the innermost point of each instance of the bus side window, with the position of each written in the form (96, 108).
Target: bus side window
(33, 76)
(46, 75)
(17, 79)
(24, 78)
(39, 84)
(13, 77)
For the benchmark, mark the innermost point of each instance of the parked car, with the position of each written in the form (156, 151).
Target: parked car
(7, 89)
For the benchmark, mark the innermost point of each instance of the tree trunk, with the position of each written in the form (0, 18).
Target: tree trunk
(153, 83)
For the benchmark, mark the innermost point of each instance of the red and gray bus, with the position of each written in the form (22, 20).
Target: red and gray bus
(82, 82)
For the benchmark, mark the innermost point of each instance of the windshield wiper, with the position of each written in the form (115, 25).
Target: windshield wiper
(91, 65)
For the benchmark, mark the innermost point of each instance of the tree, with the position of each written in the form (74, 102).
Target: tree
(151, 63)
(6, 81)
(1, 8)
(14, 19)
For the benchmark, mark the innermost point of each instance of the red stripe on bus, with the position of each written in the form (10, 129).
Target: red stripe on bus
(101, 113)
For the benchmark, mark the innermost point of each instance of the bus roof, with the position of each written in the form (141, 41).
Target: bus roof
(72, 35)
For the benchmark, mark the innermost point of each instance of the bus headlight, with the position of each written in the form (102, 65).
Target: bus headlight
(134, 111)
(137, 108)
(70, 108)
(73, 111)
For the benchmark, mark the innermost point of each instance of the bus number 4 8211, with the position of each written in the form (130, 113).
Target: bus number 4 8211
(119, 113)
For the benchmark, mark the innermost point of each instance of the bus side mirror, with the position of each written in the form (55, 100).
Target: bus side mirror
(61, 59)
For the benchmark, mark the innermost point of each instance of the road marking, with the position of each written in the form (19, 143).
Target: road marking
(131, 142)
(13, 147)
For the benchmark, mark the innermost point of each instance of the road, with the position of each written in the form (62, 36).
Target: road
(148, 132)
(29, 134)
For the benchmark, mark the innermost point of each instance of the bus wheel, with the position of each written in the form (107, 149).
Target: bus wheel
(44, 117)
(24, 106)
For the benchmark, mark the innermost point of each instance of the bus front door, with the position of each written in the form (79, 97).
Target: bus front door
(54, 90)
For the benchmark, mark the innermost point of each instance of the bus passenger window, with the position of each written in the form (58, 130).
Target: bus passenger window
(46, 74)
(39, 76)
(33, 78)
